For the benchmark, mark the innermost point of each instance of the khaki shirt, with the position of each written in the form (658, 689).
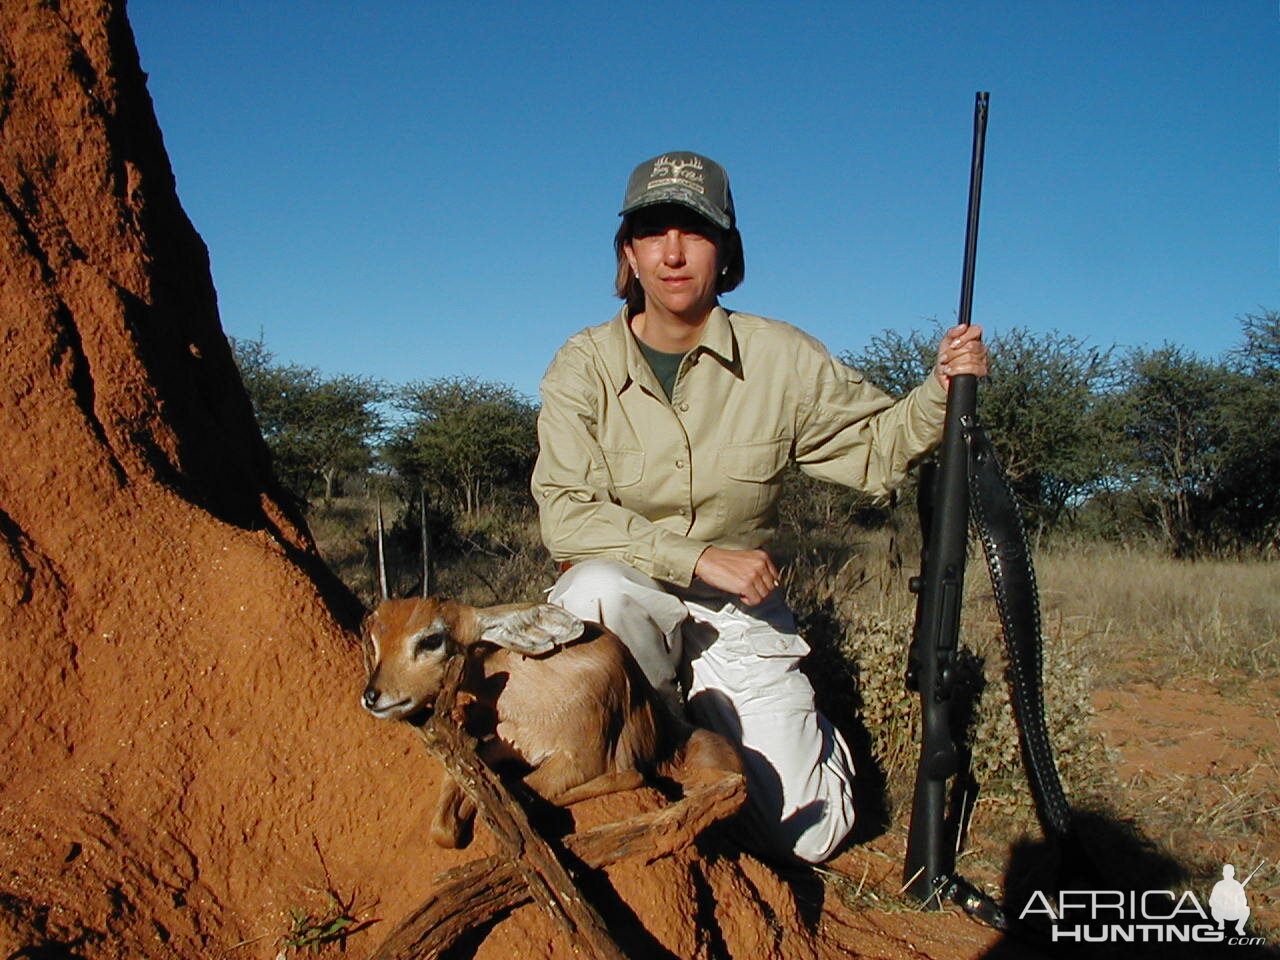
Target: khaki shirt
(624, 473)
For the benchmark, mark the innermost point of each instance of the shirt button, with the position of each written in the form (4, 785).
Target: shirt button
(679, 463)
(684, 408)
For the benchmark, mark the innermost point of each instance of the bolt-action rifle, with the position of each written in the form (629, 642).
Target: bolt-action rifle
(966, 474)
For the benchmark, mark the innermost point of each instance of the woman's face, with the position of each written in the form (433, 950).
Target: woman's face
(674, 251)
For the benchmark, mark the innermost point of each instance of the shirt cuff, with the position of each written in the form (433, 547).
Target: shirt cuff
(673, 560)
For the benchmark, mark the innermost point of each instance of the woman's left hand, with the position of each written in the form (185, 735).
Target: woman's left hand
(961, 351)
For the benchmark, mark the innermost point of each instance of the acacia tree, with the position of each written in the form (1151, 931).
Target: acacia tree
(1260, 352)
(317, 427)
(1174, 414)
(1253, 446)
(1205, 442)
(464, 439)
(1040, 404)
(1043, 405)
(896, 362)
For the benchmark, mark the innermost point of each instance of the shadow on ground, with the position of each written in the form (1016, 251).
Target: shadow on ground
(1104, 852)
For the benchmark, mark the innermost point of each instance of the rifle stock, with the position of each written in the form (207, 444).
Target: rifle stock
(944, 493)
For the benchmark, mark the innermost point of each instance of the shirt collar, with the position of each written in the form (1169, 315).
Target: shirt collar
(626, 364)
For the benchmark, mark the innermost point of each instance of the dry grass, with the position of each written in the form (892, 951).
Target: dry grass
(344, 531)
(1147, 615)
(501, 560)
(492, 556)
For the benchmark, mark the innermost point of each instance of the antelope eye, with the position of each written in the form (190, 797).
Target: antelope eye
(428, 643)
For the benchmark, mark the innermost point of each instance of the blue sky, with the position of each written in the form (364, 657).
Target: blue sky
(411, 190)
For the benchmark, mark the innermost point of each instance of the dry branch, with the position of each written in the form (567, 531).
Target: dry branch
(537, 864)
(529, 867)
(474, 892)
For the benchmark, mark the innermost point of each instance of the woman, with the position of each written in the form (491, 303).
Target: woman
(663, 438)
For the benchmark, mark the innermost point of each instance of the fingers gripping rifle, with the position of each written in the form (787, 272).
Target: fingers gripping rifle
(966, 469)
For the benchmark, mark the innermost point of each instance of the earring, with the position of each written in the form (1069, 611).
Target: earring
(724, 271)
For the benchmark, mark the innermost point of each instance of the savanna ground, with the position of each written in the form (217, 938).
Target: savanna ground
(1160, 676)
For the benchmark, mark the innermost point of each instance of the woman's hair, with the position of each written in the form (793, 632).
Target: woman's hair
(728, 245)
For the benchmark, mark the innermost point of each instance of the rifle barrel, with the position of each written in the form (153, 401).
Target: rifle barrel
(1255, 870)
(975, 201)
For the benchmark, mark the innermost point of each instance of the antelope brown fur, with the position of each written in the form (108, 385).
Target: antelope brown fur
(557, 697)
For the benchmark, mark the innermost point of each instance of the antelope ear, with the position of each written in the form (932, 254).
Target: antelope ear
(528, 628)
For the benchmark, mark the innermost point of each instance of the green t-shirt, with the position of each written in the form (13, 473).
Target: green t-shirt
(665, 365)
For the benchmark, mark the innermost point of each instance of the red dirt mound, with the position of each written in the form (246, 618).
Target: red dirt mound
(184, 760)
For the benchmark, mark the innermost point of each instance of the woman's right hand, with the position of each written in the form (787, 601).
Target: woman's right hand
(961, 350)
(748, 573)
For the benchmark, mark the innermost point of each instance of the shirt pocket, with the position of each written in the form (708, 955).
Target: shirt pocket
(625, 467)
(752, 474)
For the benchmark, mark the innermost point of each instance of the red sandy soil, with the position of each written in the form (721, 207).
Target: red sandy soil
(1198, 764)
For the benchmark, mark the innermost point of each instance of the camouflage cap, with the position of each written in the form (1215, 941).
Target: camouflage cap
(686, 178)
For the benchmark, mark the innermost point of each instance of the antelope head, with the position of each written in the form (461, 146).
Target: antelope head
(408, 645)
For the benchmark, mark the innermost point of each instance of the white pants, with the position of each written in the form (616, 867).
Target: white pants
(740, 670)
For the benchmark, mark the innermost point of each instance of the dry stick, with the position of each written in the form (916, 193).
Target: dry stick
(536, 863)
(474, 892)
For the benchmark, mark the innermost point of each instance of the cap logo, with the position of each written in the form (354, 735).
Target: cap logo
(671, 172)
